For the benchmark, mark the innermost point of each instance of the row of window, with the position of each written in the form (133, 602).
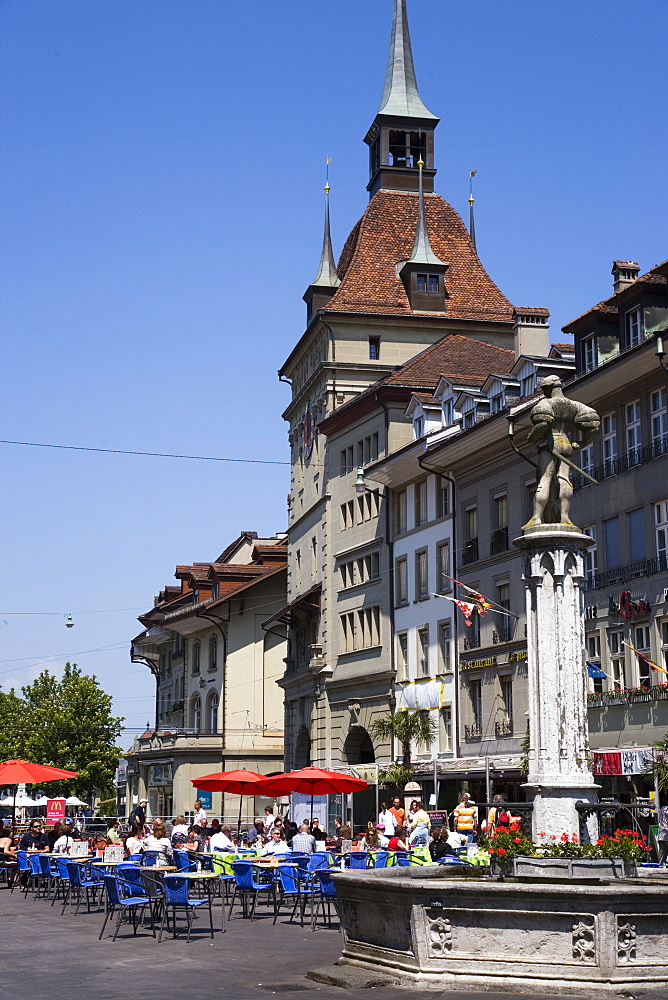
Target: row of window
(420, 504)
(422, 591)
(499, 538)
(629, 444)
(625, 672)
(360, 629)
(362, 508)
(633, 523)
(503, 720)
(356, 456)
(196, 655)
(595, 350)
(444, 665)
(360, 570)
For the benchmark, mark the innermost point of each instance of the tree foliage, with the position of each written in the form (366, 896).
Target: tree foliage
(407, 728)
(65, 723)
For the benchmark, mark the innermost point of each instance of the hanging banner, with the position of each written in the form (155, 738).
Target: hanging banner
(55, 811)
(420, 695)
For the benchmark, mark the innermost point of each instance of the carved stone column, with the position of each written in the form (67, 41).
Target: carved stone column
(559, 759)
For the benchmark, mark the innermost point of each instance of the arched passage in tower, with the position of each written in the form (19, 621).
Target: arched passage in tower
(358, 748)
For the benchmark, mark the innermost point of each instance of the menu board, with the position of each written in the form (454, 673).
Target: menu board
(79, 849)
(113, 853)
(438, 819)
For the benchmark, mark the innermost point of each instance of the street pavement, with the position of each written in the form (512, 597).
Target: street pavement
(46, 956)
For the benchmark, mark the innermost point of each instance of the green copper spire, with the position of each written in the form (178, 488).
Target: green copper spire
(400, 93)
(422, 251)
(327, 269)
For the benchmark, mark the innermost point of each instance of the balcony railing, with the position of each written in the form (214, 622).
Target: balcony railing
(628, 696)
(499, 541)
(503, 728)
(624, 574)
(473, 733)
(470, 553)
(615, 466)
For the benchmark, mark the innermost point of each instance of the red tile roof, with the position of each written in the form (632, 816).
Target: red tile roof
(657, 275)
(384, 236)
(454, 356)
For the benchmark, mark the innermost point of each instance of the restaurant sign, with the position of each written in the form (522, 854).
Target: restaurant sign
(487, 661)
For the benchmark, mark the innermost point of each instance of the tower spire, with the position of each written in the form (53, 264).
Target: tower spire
(400, 93)
(327, 275)
(472, 174)
(422, 250)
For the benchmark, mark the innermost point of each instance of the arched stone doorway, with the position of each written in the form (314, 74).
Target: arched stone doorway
(358, 748)
(303, 749)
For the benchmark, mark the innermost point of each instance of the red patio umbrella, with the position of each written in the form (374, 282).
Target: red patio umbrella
(240, 782)
(16, 772)
(313, 781)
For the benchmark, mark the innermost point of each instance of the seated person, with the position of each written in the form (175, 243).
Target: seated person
(179, 831)
(214, 828)
(8, 844)
(398, 841)
(317, 831)
(291, 829)
(276, 845)
(256, 832)
(133, 842)
(222, 841)
(113, 835)
(196, 841)
(304, 842)
(343, 834)
(159, 841)
(35, 839)
(66, 838)
(440, 846)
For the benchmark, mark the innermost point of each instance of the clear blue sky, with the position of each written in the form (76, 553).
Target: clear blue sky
(162, 205)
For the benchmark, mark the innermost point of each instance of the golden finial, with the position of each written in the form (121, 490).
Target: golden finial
(420, 163)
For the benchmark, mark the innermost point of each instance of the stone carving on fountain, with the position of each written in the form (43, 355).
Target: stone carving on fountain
(439, 934)
(584, 941)
(626, 943)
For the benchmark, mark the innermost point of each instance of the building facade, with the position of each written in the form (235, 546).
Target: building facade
(218, 703)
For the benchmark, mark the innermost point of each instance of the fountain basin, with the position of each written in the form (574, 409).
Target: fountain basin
(443, 927)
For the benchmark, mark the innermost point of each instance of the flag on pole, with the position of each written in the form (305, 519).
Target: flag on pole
(641, 656)
(594, 670)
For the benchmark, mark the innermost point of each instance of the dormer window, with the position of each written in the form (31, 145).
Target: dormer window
(469, 417)
(427, 283)
(497, 402)
(528, 384)
(448, 412)
(418, 427)
(215, 591)
(589, 353)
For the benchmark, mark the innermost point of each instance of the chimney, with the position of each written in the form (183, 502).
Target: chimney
(624, 273)
(532, 331)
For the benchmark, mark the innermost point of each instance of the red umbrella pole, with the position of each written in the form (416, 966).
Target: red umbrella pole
(241, 799)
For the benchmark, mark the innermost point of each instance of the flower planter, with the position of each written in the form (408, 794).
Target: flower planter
(570, 867)
(640, 697)
(615, 701)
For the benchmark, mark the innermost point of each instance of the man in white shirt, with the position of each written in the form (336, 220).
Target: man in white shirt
(269, 819)
(276, 845)
(222, 841)
(200, 815)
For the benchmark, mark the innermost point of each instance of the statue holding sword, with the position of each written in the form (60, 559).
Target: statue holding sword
(561, 426)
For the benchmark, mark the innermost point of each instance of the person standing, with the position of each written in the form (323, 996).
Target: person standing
(199, 819)
(663, 835)
(466, 817)
(138, 814)
(386, 817)
(420, 825)
(269, 819)
(316, 830)
(398, 813)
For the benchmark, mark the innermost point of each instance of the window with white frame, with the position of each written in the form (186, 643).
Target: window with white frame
(641, 643)
(213, 713)
(444, 641)
(421, 575)
(442, 496)
(507, 700)
(528, 384)
(591, 557)
(445, 730)
(401, 581)
(593, 646)
(633, 432)
(659, 414)
(587, 460)
(609, 438)
(418, 427)
(197, 713)
(617, 656)
(420, 498)
(497, 402)
(589, 353)
(661, 533)
(443, 581)
(402, 656)
(634, 327)
(423, 650)
(400, 512)
(448, 412)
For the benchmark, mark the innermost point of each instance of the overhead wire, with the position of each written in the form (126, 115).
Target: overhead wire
(146, 454)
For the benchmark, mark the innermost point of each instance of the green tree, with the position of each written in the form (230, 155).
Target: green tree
(407, 728)
(66, 723)
(658, 769)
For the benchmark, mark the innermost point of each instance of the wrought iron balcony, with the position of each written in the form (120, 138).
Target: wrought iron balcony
(503, 728)
(473, 733)
(615, 466)
(624, 574)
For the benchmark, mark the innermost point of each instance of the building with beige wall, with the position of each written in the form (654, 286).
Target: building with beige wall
(218, 702)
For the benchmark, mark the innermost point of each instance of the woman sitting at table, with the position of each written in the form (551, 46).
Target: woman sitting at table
(440, 847)
(159, 841)
(276, 844)
(344, 833)
(65, 840)
(179, 831)
(397, 842)
(8, 845)
(133, 842)
(371, 841)
(196, 842)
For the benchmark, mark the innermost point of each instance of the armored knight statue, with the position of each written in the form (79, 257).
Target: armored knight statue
(561, 426)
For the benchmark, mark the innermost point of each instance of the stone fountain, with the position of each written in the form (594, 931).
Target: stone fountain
(438, 927)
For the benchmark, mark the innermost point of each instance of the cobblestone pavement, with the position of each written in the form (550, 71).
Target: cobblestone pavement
(46, 956)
